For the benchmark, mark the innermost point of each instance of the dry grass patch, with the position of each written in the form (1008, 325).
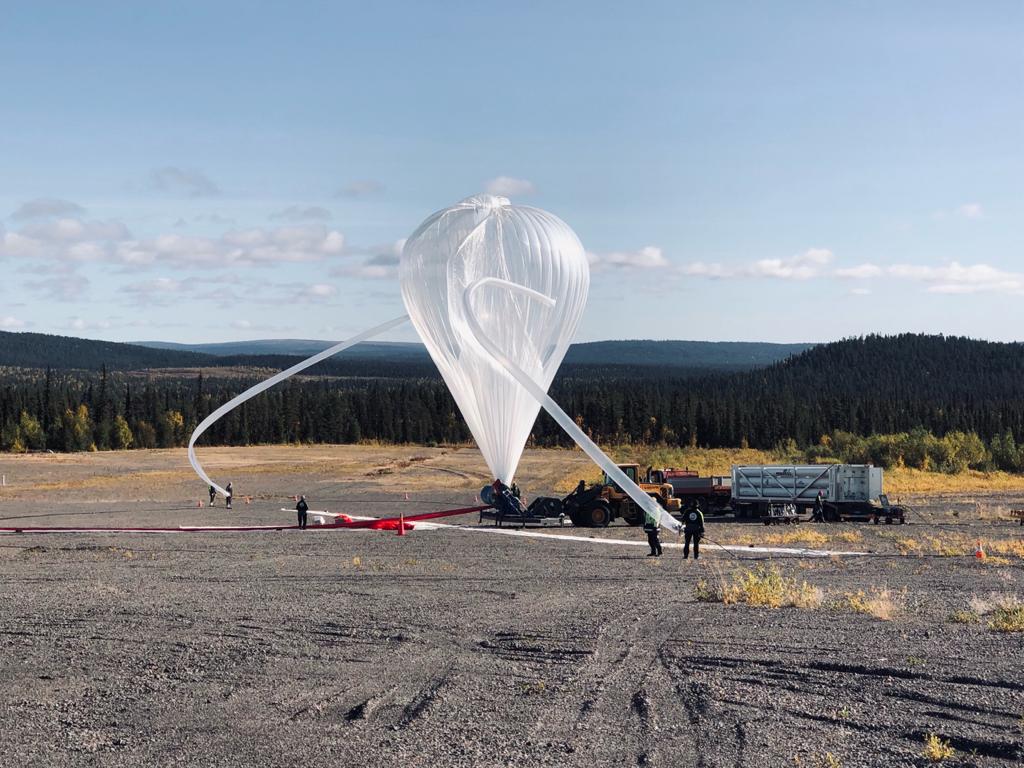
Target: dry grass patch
(965, 617)
(1007, 547)
(908, 546)
(880, 602)
(900, 480)
(764, 587)
(1005, 612)
(1007, 619)
(936, 750)
(849, 537)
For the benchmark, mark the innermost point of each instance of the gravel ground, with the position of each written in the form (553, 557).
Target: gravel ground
(456, 648)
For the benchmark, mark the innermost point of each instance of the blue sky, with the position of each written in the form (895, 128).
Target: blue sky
(738, 171)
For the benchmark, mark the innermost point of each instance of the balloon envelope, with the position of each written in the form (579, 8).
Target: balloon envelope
(488, 237)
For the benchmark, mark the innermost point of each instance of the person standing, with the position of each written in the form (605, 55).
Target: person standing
(231, 493)
(693, 530)
(818, 515)
(653, 537)
(213, 495)
(302, 508)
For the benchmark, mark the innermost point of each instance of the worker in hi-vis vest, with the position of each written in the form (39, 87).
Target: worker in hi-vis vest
(653, 537)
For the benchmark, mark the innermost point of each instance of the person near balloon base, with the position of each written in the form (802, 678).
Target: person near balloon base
(213, 495)
(653, 538)
(301, 509)
(230, 495)
(693, 530)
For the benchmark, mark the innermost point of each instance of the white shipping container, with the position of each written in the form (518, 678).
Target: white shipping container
(857, 483)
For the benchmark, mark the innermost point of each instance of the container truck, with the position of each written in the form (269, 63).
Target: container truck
(849, 491)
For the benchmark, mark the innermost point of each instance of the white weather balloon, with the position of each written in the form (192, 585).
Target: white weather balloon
(495, 292)
(485, 238)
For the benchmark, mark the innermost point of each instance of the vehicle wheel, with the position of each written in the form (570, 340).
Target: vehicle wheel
(875, 520)
(634, 515)
(888, 520)
(600, 515)
(577, 518)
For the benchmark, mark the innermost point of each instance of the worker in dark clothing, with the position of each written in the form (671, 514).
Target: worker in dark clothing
(653, 539)
(230, 494)
(302, 508)
(693, 530)
(818, 516)
(515, 490)
(213, 495)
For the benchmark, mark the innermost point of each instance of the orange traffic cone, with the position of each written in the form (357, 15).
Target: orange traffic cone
(199, 504)
(248, 499)
(406, 495)
(978, 551)
(401, 524)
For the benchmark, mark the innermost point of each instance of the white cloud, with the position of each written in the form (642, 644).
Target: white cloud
(73, 240)
(860, 291)
(320, 292)
(81, 324)
(70, 287)
(189, 182)
(163, 291)
(302, 213)
(648, 257)
(966, 211)
(802, 266)
(46, 206)
(10, 323)
(861, 271)
(952, 278)
(76, 230)
(507, 186)
(361, 188)
(381, 262)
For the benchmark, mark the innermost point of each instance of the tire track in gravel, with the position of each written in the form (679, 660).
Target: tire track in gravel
(615, 707)
(843, 696)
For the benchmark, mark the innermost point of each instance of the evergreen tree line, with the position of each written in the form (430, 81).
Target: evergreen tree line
(955, 402)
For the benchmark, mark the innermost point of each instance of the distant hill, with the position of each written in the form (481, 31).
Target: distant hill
(40, 350)
(734, 355)
(390, 359)
(297, 348)
(730, 355)
(874, 385)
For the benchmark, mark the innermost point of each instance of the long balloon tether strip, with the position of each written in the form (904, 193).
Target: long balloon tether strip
(276, 379)
(651, 508)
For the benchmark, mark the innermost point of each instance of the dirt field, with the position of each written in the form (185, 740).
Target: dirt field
(457, 647)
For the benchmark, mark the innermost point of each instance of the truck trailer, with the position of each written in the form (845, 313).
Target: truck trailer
(849, 491)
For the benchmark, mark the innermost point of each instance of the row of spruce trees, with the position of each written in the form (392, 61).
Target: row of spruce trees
(80, 411)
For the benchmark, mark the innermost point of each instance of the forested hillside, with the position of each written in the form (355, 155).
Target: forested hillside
(865, 386)
(40, 350)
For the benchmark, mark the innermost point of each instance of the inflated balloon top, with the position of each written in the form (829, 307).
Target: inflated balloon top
(472, 250)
